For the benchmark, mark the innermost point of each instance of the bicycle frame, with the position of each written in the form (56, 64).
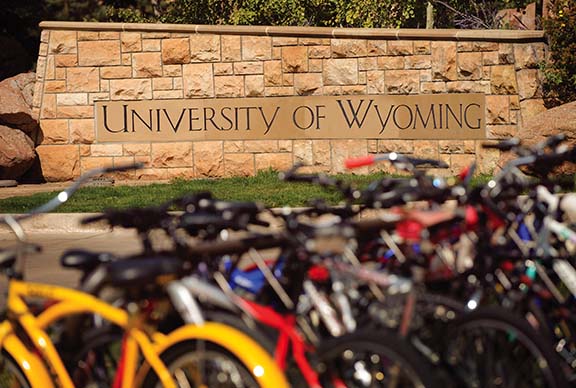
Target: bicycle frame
(42, 365)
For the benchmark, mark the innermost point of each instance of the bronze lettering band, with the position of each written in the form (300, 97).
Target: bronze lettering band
(437, 116)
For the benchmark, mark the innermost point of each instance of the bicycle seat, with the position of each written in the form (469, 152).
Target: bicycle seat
(84, 260)
(143, 271)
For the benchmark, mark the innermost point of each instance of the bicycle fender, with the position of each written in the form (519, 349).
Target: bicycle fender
(261, 364)
(30, 364)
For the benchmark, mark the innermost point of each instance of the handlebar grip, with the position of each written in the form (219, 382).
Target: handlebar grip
(504, 145)
(92, 219)
(360, 162)
(126, 167)
(431, 162)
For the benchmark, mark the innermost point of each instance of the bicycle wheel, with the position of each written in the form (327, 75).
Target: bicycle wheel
(202, 364)
(11, 376)
(370, 358)
(493, 348)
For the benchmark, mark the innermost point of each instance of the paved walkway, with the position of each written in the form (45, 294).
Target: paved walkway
(30, 189)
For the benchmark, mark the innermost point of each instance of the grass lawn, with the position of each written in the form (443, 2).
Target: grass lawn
(264, 187)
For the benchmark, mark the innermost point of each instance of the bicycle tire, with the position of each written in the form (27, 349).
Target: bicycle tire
(381, 347)
(480, 331)
(11, 375)
(189, 351)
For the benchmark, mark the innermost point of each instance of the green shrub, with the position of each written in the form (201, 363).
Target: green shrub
(560, 70)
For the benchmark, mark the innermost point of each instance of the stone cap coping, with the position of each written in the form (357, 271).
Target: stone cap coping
(309, 32)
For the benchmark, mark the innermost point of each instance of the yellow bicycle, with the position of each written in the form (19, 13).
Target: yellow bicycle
(30, 358)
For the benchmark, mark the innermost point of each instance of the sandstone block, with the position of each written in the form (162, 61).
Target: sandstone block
(66, 60)
(62, 42)
(487, 161)
(131, 42)
(314, 41)
(315, 65)
(87, 35)
(273, 73)
(322, 153)
(72, 99)
(375, 82)
(75, 112)
(231, 48)
(91, 162)
(285, 145)
(136, 149)
(418, 62)
(501, 131)
(48, 108)
(349, 90)
(176, 51)
(497, 110)
(426, 149)
(367, 63)
(257, 146)
(303, 152)
(276, 161)
(376, 47)
(233, 146)
(239, 165)
(340, 71)
(390, 63)
(444, 61)
(151, 45)
(284, 41)
(279, 91)
(529, 85)
(433, 87)
(308, 83)
(99, 53)
(197, 79)
(59, 162)
(451, 146)
(115, 72)
(147, 65)
(82, 131)
(295, 59)
(288, 79)
(402, 81)
(460, 161)
(54, 86)
(319, 52)
(254, 85)
(172, 154)
(470, 65)
(468, 87)
(131, 89)
(84, 150)
(172, 70)
(162, 83)
(205, 48)
(229, 86)
(106, 150)
(400, 47)
(400, 146)
(83, 79)
(223, 69)
(490, 58)
(372, 146)
(54, 131)
(503, 80)
(421, 47)
(347, 48)
(256, 48)
(209, 159)
(167, 94)
(345, 149)
(242, 68)
(506, 53)
(528, 55)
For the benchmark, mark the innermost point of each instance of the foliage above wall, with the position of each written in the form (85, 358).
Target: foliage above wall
(560, 71)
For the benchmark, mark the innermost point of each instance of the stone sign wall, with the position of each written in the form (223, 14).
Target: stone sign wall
(84, 67)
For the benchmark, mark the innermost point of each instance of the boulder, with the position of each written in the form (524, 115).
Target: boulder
(16, 94)
(16, 153)
(561, 119)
